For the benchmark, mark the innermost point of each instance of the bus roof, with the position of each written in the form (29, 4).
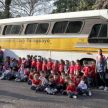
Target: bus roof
(80, 14)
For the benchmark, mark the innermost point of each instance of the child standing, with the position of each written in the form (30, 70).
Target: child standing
(71, 90)
(49, 66)
(66, 67)
(78, 66)
(55, 66)
(44, 65)
(39, 65)
(28, 62)
(72, 68)
(1, 69)
(36, 83)
(87, 72)
(82, 87)
(61, 66)
(19, 62)
(33, 63)
(94, 75)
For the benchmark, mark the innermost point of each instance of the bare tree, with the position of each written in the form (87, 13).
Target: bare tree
(31, 7)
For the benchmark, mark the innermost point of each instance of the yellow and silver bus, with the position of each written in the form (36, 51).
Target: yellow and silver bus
(68, 36)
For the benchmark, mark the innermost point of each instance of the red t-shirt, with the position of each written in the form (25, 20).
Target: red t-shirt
(8, 62)
(55, 68)
(71, 68)
(39, 65)
(76, 83)
(61, 67)
(33, 63)
(49, 65)
(30, 76)
(19, 64)
(44, 67)
(93, 71)
(71, 88)
(86, 70)
(61, 81)
(57, 81)
(75, 76)
(77, 67)
(36, 82)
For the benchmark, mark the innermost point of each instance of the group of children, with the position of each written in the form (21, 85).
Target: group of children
(71, 79)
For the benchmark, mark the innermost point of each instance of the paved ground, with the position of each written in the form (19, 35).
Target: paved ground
(19, 95)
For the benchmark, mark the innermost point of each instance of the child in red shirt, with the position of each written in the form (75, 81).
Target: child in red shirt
(44, 66)
(56, 79)
(8, 60)
(35, 72)
(61, 82)
(55, 66)
(39, 65)
(94, 74)
(19, 62)
(77, 80)
(30, 77)
(72, 68)
(78, 66)
(33, 63)
(36, 83)
(61, 66)
(87, 72)
(49, 66)
(71, 76)
(71, 90)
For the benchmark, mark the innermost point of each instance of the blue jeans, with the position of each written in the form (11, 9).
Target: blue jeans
(71, 94)
(82, 91)
(102, 77)
(29, 82)
(35, 88)
(88, 81)
(94, 80)
(5, 75)
(20, 77)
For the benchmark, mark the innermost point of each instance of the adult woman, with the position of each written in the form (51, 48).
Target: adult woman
(101, 69)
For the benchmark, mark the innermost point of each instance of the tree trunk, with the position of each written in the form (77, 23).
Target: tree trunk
(7, 8)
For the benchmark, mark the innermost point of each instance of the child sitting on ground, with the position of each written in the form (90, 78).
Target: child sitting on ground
(77, 80)
(82, 87)
(51, 89)
(36, 83)
(30, 77)
(71, 90)
(6, 71)
(44, 83)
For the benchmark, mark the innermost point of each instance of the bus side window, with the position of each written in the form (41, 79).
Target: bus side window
(8, 29)
(60, 27)
(74, 27)
(31, 28)
(42, 28)
(103, 32)
(95, 30)
(16, 29)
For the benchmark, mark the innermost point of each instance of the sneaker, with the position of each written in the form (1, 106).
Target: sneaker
(90, 93)
(105, 89)
(101, 87)
(75, 97)
(84, 94)
(17, 80)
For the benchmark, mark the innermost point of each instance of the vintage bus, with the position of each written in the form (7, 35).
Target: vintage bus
(67, 36)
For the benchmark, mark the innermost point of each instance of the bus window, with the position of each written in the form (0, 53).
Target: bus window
(31, 28)
(42, 28)
(15, 29)
(98, 34)
(103, 32)
(60, 27)
(8, 29)
(74, 27)
(95, 30)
